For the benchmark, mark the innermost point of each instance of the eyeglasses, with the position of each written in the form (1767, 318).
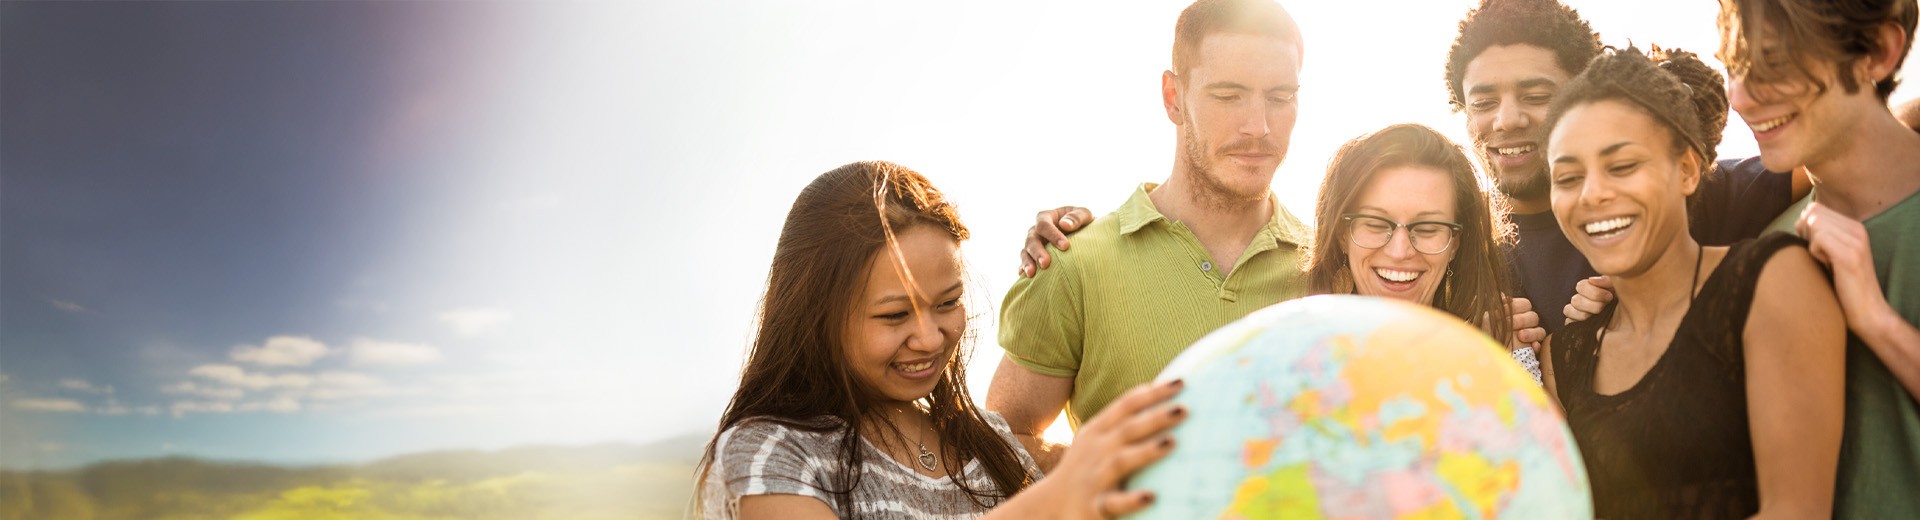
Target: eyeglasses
(1428, 236)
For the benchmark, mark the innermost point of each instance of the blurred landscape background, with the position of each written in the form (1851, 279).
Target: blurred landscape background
(607, 481)
(500, 259)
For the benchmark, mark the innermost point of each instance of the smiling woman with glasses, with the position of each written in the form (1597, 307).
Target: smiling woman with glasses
(1402, 216)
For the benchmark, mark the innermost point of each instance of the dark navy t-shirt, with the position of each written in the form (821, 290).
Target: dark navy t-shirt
(1735, 202)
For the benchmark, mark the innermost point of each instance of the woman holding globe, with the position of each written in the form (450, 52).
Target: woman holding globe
(853, 401)
(1712, 386)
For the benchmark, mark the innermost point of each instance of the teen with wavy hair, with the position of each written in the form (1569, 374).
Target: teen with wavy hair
(853, 401)
(1811, 78)
(1711, 387)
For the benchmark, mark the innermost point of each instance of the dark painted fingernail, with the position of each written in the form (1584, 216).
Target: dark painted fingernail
(1177, 384)
(1166, 442)
(1148, 499)
(1178, 412)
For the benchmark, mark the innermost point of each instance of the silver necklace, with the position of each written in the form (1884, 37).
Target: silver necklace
(926, 459)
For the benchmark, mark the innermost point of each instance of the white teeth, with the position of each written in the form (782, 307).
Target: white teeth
(1608, 225)
(1398, 276)
(1771, 123)
(1517, 150)
(915, 367)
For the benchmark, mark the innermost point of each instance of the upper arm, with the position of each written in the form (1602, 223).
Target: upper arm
(1028, 400)
(1040, 320)
(1796, 373)
(780, 507)
(758, 459)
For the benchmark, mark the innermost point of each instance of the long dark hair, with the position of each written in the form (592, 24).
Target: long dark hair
(1473, 290)
(796, 373)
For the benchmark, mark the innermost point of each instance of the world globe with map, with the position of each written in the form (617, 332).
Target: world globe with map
(1353, 407)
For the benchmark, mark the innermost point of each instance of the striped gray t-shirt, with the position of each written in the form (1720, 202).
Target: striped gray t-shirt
(766, 458)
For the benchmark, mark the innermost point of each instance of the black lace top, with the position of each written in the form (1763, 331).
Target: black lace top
(1675, 444)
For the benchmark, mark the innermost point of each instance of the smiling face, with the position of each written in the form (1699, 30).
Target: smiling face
(1236, 111)
(1396, 270)
(1797, 124)
(901, 338)
(1508, 89)
(1619, 186)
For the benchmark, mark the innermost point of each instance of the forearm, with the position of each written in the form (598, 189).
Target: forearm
(1044, 499)
(1897, 343)
(1045, 454)
(1030, 402)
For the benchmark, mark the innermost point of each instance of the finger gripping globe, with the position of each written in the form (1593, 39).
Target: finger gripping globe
(1353, 407)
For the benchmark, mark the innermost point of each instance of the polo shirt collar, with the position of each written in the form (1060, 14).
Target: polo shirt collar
(1138, 211)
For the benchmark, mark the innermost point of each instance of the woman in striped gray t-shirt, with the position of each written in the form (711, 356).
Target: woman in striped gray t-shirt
(853, 402)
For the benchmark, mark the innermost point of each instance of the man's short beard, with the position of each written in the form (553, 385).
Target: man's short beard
(1533, 186)
(1209, 190)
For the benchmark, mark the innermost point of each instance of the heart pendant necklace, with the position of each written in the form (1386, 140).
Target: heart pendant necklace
(926, 458)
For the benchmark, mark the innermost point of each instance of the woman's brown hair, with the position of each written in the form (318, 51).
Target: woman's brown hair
(1473, 289)
(796, 371)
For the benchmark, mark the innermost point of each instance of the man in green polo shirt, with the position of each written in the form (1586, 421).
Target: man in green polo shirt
(1181, 258)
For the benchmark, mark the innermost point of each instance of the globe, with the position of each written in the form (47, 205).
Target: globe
(1353, 407)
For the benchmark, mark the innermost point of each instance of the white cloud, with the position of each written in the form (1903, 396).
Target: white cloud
(50, 405)
(239, 377)
(66, 306)
(81, 385)
(3, 378)
(283, 404)
(331, 386)
(226, 393)
(182, 408)
(281, 351)
(449, 410)
(474, 321)
(365, 351)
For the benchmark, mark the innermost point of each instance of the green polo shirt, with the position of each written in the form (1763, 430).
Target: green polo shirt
(1135, 289)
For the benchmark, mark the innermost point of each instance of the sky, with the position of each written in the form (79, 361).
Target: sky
(312, 232)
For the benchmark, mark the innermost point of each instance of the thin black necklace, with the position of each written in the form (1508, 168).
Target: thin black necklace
(1699, 253)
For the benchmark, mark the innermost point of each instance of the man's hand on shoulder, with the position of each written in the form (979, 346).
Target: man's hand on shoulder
(1050, 227)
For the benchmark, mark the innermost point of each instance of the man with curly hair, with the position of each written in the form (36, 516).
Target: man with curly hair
(1503, 70)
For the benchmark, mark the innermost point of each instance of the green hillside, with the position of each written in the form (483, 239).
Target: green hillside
(608, 481)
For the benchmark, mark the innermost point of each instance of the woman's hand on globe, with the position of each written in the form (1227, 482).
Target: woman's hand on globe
(1125, 437)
